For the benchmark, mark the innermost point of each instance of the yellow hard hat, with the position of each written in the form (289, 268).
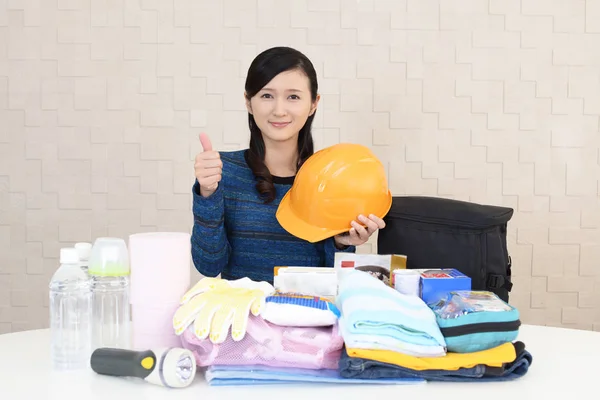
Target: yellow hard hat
(332, 188)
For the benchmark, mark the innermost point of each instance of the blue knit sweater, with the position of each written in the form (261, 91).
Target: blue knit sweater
(236, 235)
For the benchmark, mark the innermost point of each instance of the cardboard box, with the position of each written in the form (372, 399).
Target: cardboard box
(437, 283)
(379, 265)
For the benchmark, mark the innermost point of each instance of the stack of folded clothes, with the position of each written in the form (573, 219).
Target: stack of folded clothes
(246, 333)
(505, 362)
(391, 335)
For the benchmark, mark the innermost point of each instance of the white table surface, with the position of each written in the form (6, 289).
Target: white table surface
(565, 362)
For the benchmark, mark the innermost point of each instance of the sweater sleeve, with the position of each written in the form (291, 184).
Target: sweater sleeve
(330, 250)
(210, 246)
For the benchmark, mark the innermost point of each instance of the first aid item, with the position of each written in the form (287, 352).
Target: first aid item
(437, 283)
(380, 266)
(272, 345)
(70, 314)
(331, 189)
(214, 306)
(232, 375)
(310, 281)
(369, 307)
(84, 250)
(109, 280)
(436, 232)
(288, 309)
(407, 281)
(160, 275)
(169, 367)
(476, 320)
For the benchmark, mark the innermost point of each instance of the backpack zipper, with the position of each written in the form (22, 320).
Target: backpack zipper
(445, 221)
(483, 327)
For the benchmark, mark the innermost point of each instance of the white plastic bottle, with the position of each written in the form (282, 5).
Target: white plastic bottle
(83, 250)
(109, 279)
(70, 314)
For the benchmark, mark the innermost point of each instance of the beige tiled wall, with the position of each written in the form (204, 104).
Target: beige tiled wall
(494, 101)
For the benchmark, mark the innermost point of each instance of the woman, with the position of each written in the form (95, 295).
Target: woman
(236, 193)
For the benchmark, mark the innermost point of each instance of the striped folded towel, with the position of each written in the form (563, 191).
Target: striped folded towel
(370, 307)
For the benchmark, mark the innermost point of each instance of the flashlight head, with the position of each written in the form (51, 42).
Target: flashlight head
(185, 367)
(176, 368)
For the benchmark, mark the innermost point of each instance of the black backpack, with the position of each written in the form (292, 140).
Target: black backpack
(442, 233)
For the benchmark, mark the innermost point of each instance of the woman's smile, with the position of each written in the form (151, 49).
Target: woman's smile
(279, 124)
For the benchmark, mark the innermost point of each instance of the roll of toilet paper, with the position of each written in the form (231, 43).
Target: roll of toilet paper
(154, 324)
(407, 281)
(154, 319)
(160, 267)
(145, 342)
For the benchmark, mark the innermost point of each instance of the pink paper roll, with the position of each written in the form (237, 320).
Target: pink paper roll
(153, 323)
(154, 319)
(160, 267)
(160, 275)
(146, 342)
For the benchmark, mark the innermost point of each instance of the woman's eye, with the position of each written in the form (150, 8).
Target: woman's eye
(294, 97)
(266, 96)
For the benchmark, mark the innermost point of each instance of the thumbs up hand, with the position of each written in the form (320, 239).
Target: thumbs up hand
(208, 167)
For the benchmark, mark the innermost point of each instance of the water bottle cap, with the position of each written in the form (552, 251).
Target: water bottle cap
(109, 257)
(68, 255)
(83, 250)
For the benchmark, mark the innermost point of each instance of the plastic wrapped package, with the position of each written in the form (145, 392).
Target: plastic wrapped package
(270, 345)
(475, 320)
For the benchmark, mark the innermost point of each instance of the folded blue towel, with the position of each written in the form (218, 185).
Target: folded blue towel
(370, 307)
(233, 375)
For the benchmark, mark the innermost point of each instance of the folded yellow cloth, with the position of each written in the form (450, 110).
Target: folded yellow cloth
(494, 357)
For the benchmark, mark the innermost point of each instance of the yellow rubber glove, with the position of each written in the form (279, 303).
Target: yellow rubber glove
(202, 286)
(214, 306)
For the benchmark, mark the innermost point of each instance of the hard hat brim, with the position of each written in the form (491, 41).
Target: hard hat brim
(300, 229)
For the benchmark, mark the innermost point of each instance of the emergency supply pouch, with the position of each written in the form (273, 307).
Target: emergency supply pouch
(475, 320)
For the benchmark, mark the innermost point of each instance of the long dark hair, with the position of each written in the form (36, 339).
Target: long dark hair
(263, 69)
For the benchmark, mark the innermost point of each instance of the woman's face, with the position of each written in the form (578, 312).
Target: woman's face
(281, 108)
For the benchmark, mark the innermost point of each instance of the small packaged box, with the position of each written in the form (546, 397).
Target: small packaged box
(437, 283)
(308, 281)
(381, 266)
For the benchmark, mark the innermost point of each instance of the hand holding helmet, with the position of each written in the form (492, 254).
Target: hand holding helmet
(359, 234)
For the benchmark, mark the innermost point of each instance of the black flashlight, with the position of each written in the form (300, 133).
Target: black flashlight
(169, 367)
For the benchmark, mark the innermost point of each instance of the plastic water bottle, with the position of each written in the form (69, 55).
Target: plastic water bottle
(109, 275)
(70, 314)
(83, 250)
